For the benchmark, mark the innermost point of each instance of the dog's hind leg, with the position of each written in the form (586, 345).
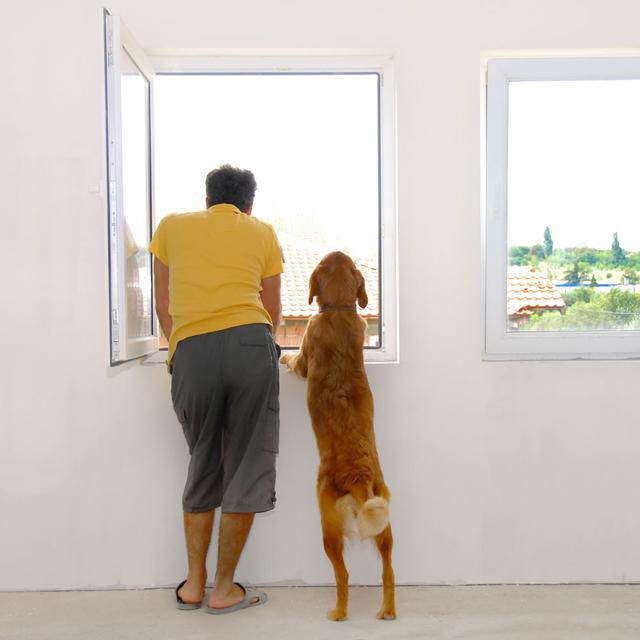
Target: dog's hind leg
(333, 539)
(384, 542)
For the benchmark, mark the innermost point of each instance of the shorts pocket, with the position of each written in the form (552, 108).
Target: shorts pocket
(273, 407)
(255, 336)
(272, 431)
(187, 430)
(273, 403)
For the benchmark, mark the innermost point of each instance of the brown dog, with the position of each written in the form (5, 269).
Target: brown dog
(350, 482)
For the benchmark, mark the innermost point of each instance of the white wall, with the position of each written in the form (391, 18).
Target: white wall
(501, 472)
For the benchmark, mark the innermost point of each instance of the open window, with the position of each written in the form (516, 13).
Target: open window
(318, 133)
(129, 79)
(562, 231)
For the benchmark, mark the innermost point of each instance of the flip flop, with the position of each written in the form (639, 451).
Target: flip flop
(245, 603)
(181, 604)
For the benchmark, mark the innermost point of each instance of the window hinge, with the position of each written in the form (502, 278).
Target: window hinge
(115, 331)
(110, 50)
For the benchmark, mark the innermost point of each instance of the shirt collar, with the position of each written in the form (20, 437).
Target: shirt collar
(224, 208)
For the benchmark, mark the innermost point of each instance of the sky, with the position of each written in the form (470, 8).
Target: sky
(310, 140)
(574, 163)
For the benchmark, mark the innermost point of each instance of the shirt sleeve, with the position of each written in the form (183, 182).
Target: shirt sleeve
(274, 263)
(158, 244)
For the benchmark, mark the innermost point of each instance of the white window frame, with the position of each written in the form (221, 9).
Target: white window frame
(310, 61)
(123, 347)
(498, 342)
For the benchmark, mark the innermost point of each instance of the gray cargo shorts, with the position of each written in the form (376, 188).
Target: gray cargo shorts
(224, 389)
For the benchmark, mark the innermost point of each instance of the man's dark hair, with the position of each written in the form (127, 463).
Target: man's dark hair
(231, 185)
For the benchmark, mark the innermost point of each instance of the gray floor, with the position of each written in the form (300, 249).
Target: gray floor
(509, 612)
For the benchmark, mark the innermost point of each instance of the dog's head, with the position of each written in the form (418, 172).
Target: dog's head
(336, 281)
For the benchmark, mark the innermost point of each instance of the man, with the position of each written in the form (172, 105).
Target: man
(217, 283)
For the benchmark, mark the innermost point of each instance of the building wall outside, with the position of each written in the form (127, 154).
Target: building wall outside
(291, 330)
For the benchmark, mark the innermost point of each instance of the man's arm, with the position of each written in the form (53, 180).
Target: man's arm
(270, 296)
(161, 286)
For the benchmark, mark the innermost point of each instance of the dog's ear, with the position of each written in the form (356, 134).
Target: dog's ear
(363, 299)
(314, 285)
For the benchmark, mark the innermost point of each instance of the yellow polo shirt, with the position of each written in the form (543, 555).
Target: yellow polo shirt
(217, 259)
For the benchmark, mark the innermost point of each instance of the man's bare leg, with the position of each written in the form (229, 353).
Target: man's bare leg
(197, 533)
(234, 531)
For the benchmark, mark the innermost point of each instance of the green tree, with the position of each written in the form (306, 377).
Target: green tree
(589, 256)
(548, 242)
(520, 255)
(633, 260)
(617, 253)
(577, 273)
(537, 251)
(580, 294)
(591, 311)
(622, 307)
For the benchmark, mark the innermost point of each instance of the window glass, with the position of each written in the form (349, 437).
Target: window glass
(134, 92)
(573, 228)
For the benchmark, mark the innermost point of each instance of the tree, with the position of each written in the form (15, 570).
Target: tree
(581, 294)
(592, 311)
(633, 260)
(537, 251)
(520, 255)
(548, 242)
(617, 253)
(577, 273)
(589, 256)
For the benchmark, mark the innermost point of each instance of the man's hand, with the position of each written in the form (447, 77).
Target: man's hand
(161, 286)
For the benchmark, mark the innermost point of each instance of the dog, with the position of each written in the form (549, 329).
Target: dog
(350, 483)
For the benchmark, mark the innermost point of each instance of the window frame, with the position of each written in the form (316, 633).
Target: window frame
(122, 347)
(298, 62)
(498, 342)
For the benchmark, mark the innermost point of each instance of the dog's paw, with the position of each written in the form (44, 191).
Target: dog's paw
(386, 614)
(286, 358)
(337, 615)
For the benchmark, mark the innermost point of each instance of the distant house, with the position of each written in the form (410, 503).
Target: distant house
(304, 244)
(529, 290)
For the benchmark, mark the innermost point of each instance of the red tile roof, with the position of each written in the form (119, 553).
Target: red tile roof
(530, 290)
(304, 243)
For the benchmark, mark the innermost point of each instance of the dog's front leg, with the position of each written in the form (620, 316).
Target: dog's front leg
(297, 362)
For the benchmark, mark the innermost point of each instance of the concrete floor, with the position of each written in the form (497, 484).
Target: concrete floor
(483, 612)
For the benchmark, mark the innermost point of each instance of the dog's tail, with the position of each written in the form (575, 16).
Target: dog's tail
(372, 517)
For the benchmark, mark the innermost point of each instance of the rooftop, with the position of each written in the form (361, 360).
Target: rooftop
(530, 290)
(304, 243)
